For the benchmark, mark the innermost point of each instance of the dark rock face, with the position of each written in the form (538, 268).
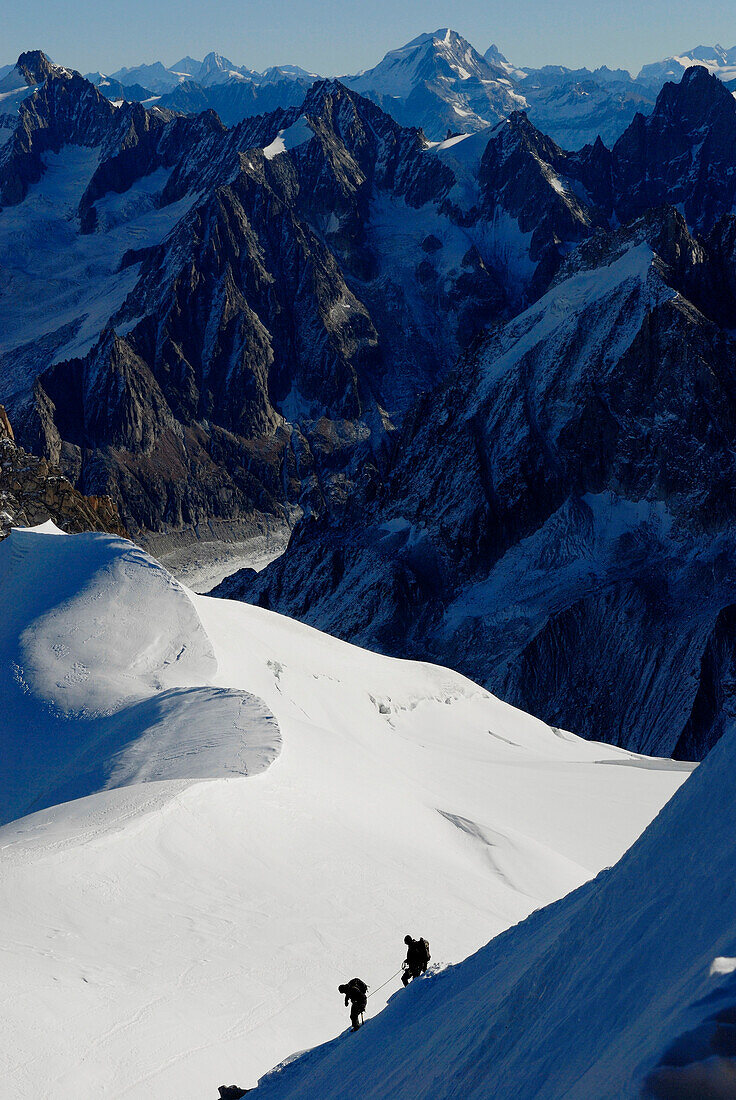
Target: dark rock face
(714, 706)
(33, 491)
(107, 420)
(138, 143)
(531, 176)
(543, 527)
(684, 152)
(275, 337)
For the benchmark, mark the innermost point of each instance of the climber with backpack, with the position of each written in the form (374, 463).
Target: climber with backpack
(417, 959)
(355, 992)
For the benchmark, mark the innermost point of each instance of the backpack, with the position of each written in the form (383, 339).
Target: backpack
(359, 984)
(425, 947)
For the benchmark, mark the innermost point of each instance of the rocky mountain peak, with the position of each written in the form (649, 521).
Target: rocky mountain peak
(526, 174)
(494, 55)
(65, 110)
(684, 152)
(34, 66)
(215, 66)
(333, 102)
(518, 129)
(695, 100)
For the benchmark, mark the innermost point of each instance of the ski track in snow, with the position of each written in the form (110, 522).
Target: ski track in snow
(190, 927)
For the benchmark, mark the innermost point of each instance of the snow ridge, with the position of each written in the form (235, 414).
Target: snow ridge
(192, 931)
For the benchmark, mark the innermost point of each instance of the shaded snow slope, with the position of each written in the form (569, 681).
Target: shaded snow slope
(105, 674)
(189, 933)
(623, 989)
(59, 286)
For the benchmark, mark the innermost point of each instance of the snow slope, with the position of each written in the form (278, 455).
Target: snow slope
(190, 926)
(100, 690)
(625, 989)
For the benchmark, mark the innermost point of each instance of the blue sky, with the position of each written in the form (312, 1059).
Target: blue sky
(338, 36)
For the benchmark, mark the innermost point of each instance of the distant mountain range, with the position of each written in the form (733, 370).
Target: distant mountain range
(437, 81)
(489, 380)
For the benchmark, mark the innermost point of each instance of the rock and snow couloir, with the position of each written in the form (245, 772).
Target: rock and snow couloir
(266, 811)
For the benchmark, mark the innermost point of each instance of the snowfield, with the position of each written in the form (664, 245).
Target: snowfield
(260, 812)
(624, 989)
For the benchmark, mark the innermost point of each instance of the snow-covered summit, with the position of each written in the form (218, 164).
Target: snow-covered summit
(105, 674)
(440, 81)
(494, 57)
(216, 69)
(443, 54)
(718, 60)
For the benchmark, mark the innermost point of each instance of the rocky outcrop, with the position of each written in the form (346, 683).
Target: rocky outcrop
(33, 490)
(6, 431)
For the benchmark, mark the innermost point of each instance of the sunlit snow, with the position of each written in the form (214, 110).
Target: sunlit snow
(193, 929)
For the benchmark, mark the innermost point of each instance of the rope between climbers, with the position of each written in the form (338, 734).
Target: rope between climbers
(385, 983)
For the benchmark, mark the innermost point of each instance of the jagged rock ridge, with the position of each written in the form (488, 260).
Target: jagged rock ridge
(544, 527)
(320, 268)
(276, 334)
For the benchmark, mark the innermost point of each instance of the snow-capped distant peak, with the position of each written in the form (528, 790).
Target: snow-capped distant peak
(495, 58)
(215, 61)
(441, 55)
(718, 60)
(287, 72)
(188, 65)
(217, 69)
